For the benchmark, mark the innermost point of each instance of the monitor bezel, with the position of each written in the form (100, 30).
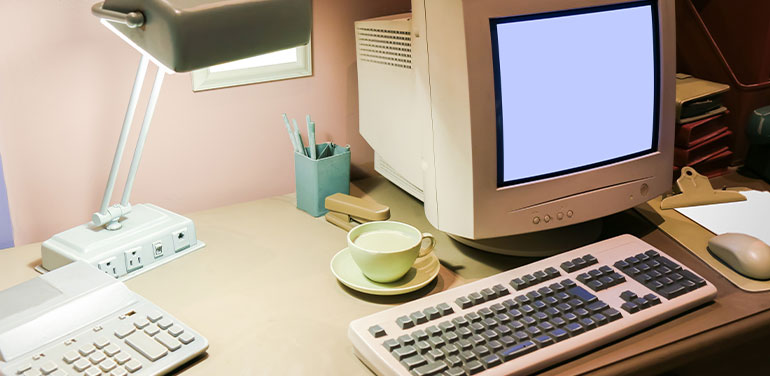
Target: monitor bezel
(493, 25)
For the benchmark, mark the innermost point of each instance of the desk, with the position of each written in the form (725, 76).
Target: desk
(262, 293)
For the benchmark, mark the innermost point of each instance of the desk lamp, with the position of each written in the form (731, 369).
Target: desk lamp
(178, 36)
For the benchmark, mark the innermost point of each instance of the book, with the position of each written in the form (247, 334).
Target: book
(703, 150)
(715, 165)
(697, 99)
(693, 133)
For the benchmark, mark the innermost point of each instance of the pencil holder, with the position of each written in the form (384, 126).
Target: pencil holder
(317, 178)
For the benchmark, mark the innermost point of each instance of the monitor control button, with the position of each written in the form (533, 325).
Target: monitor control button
(547, 218)
(644, 190)
(570, 213)
(536, 220)
(560, 216)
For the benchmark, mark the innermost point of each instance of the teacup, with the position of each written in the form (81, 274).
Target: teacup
(386, 250)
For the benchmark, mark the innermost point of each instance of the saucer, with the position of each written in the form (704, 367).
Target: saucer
(424, 270)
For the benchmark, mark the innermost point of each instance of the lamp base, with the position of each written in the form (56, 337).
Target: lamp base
(150, 236)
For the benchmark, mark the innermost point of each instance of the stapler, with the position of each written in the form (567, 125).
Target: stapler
(346, 211)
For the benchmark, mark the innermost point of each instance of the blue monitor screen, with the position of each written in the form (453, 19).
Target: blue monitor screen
(575, 89)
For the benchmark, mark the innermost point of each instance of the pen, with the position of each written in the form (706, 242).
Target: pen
(298, 136)
(311, 138)
(291, 134)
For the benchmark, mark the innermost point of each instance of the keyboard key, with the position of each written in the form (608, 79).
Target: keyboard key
(93, 371)
(406, 340)
(152, 330)
(141, 323)
(574, 328)
(402, 353)
(552, 272)
(518, 284)
(48, 367)
(654, 300)
(612, 314)
(474, 367)
(404, 322)
(122, 357)
(101, 342)
(453, 361)
(455, 371)
(488, 294)
(171, 343)
(464, 302)
(165, 323)
(133, 365)
(186, 338)
(81, 365)
(628, 295)
(435, 355)
(491, 361)
(97, 357)
(107, 365)
(543, 341)
(124, 330)
(418, 317)
(518, 350)
(597, 306)
(500, 290)
(430, 369)
(375, 330)
(111, 349)
(600, 319)
(69, 357)
(672, 291)
(86, 349)
(583, 294)
(422, 347)
(119, 372)
(58, 372)
(414, 361)
(630, 307)
(146, 346)
(476, 298)
(431, 313)
(391, 344)
(154, 315)
(559, 334)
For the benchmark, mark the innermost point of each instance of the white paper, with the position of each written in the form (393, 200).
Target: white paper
(751, 217)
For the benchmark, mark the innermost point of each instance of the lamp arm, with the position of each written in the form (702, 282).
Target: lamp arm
(131, 19)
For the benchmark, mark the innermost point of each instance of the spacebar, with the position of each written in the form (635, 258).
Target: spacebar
(146, 346)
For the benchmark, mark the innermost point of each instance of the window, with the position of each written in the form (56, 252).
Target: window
(279, 65)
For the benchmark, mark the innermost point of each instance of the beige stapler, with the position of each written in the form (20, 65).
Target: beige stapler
(697, 190)
(346, 211)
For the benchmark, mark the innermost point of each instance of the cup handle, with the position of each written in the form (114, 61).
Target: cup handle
(424, 251)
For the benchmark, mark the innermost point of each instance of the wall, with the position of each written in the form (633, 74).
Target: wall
(64, 87)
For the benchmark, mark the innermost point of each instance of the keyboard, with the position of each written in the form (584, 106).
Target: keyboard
(523, 320)
(77, 320)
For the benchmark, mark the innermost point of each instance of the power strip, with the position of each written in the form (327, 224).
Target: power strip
(150, 236)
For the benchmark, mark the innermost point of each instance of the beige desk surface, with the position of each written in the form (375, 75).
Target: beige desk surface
(262, 293)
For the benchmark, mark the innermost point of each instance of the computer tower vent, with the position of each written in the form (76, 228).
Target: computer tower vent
(385, 46)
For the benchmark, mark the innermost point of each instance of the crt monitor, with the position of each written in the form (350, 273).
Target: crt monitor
(510, 117)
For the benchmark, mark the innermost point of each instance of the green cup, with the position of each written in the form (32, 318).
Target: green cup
(386, 250)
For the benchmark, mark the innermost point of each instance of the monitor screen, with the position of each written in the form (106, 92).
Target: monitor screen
(575, 89)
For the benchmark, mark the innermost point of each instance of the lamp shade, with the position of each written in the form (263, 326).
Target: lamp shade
(185, 35)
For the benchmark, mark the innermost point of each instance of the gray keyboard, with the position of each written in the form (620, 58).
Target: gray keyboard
(522, 320)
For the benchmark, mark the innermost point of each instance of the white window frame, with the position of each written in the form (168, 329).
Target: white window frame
(205, 79)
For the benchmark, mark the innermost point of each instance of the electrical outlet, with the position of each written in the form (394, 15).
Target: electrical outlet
(181, 240)
(109, 266)
(133, 259)
(157, 249)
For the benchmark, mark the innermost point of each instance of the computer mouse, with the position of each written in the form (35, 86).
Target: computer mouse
(746, 254)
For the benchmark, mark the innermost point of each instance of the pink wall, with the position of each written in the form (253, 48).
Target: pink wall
(64, 86)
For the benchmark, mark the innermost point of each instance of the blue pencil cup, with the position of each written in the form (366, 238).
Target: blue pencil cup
(316, 179)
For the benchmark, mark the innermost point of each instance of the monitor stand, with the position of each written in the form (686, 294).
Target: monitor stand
(541, 243)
